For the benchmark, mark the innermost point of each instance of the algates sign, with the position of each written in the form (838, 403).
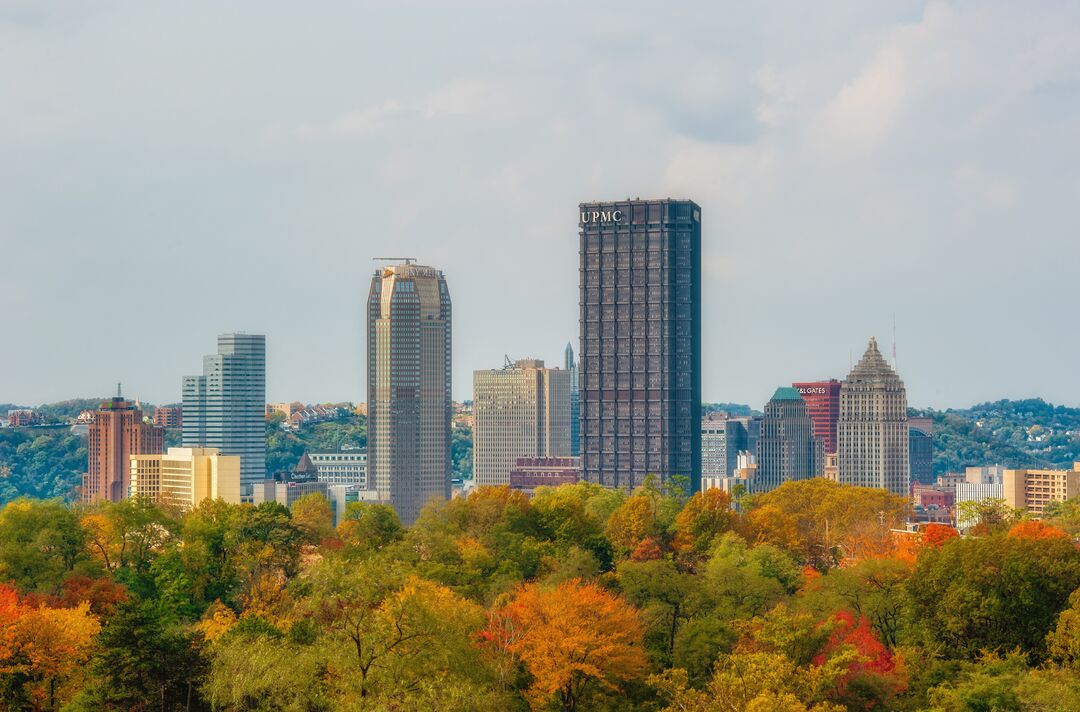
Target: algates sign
(601, 216)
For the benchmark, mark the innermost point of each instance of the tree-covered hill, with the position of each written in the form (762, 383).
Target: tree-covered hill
(1022, 433)
(40, 462)
(49, 461)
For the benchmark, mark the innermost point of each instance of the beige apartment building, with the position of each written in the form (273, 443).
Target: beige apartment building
(1032, 490)
(185, 476)
(521, 410)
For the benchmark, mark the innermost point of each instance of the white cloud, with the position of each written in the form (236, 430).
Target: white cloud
(468, 96)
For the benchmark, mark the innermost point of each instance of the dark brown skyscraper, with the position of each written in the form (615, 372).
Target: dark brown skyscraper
(641, 341)
(117, 433)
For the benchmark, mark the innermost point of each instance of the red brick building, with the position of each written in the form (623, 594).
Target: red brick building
(23, 418)
(117, 433)
(823, 404)
(532, 472)
(169, 416)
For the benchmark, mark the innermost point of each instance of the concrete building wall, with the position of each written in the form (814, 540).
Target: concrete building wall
(872, 431)
(519, 411)
(184, 477)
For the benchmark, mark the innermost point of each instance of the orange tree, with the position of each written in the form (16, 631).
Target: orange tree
(42, 650)
(573, 639)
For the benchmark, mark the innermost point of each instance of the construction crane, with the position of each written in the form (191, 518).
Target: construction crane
(406, 260)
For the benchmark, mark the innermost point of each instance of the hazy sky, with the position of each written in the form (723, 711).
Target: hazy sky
(169, 171)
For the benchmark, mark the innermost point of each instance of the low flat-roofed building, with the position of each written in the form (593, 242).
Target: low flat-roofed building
(185, 476)
(532, 472)
(285, 493)
(970, 492)
(932, 496)
(341, 467)
(1032, 490)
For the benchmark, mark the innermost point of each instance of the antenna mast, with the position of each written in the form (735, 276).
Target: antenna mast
(894, 341)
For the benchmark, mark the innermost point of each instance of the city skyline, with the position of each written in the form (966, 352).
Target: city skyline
(867, 177)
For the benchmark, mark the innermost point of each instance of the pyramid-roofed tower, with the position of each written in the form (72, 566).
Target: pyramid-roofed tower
(872, 432)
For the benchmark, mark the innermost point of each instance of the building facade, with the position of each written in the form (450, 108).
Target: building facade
(117, 433)
(341, 467)
(575, 401)
(169, 416)
(183, 477)
(408, 338)
(521, 410)
(921, 449)
(872, 432)
(225, 407)
(1032, 490)
(787, 449)
(723, 438)
(23, 418)
(823, 404)
(640, 341)
(529, 473)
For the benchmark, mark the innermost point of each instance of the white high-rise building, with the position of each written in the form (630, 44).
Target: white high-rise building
(521, 410)
(872, 432)
(225, 407)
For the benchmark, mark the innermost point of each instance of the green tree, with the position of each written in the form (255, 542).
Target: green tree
(40, 543)
(143, 662)
(995, 593)
(368, 525)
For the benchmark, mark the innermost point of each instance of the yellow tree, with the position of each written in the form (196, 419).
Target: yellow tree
(313, 515)
(825, 523)
(630, 523)
(705, 515)
(571, 638)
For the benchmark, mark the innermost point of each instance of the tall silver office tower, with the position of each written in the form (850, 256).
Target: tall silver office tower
(640, 341)
(575, 401)
(408, 333)
(872, 432)
(226, 406)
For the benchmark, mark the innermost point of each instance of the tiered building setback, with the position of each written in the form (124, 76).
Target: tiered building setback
(872, 432)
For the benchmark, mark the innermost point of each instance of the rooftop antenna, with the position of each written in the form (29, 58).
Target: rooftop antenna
(406, 260)
(507, 363)
(894, 341)
(118, 390)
